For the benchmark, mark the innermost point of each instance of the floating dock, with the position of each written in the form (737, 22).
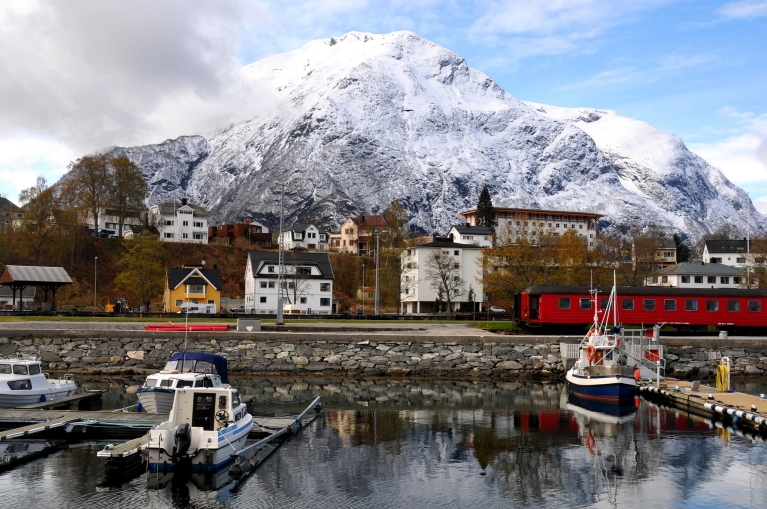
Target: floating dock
(743, 410)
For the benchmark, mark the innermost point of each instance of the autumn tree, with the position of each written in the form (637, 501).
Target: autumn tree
(485, 210)
(572, 259)
(88, 184)
(444, 274)
(127, 189)
(511, 267)
(39, 226)
(397, 219)
(142, 274)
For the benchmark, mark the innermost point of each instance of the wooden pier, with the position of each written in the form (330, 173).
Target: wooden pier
(90, 400)
(744, 410)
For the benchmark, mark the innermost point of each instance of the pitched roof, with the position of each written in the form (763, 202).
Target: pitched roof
(700, 269)
(471, 230)
(34, 275)
(321, 260)
(168, 208)
(378, 221)
(726, 246)
(666, 243)
(178, 276)
(448, 244)
(300, 227)
(7, 204)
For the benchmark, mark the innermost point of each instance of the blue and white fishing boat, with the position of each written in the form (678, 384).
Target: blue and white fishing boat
(184, 369)
(602, 372)
(206, 429)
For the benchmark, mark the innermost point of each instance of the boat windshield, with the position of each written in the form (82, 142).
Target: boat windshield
(5, 369)
(191, 366)
(150, 382)
(171, 365)
(184, 383)
(205, 367)
(34, 369)
(20, 369)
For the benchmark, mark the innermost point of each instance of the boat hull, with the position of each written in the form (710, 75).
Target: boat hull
(609, 388)
(13, 399)
(156, 400)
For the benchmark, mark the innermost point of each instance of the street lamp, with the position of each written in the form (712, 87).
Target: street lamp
(95, 279)
(363, 288)
(378, 248)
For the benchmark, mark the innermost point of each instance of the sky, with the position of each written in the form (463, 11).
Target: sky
(81, 76)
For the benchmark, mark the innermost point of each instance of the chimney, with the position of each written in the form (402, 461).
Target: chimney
(247, 222)
(183, 201)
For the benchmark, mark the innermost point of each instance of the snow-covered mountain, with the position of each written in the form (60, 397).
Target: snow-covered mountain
(360, 120)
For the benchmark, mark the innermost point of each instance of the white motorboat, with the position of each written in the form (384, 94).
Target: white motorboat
(184, 369)
(206, 429)
(22, 382)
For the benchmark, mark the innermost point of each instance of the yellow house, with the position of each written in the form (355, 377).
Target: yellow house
(192, 284)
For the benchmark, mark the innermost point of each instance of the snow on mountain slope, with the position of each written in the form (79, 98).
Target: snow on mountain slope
(355, 122)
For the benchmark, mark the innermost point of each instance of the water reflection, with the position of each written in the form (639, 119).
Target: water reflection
(402, 444)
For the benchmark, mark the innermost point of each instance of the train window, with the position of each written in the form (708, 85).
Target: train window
(669, 305)
(564, 303)
(712, 305)
(733, 305)
(690, 305)
(649, 304)
(627, 304)
(603, 304)
(585, 303)
(754, 306)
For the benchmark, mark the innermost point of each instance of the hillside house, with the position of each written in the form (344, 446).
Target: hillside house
(191, 284)
(109, 221)
(307, 283)
(357, 235)
(726, 252)
(11, 214)
(252, 231)
(305, 236)
(697, 275)
(180, 221)
(474, 235)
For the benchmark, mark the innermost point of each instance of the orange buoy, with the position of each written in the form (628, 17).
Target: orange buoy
(590, 353)
(637, 375)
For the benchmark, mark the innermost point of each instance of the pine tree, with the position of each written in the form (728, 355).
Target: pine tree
(682, 251)
(485, 210)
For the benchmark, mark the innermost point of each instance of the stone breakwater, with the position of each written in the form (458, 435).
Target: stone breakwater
(296, 354)
(357, 354)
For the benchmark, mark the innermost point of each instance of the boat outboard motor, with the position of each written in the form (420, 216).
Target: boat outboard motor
(183, 440)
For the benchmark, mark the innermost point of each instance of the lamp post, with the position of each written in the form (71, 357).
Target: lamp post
(95, 279)
(363, 288)
(378, 248)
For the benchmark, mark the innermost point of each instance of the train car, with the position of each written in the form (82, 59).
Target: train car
(571, 307)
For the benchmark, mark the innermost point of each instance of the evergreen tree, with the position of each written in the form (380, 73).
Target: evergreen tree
(682, 251)
(485, 210)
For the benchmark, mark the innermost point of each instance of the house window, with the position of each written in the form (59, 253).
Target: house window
(324, 287)
(725, 280)
(185, 235)
(303, 300)
(669, 305)
(627, 304)
(198, 224)
(271, 284)
(754, 306)
(195, 288)
(712, 305)
(564, 303)
(685, 279)
(211, 302)
(407, 292)
(262, 300)
(263, 284)
(733, 306)
(455, 253)
(585, 303)
(179, 302)
(736, 280)
(456, 266)
(664, 279)
(303, 271)
(715, 260)
(648, 304)
(325, 301)
(699, 279)
(167, 235)
(690, 305)
(184, 223)
(199, 236)
(654, 280)
(711, 279)
(270, 268)
(168, 222)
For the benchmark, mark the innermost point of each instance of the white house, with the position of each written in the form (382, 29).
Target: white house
(467, 234)
(109, 221)
(458, 263)
(305, 236)
(697, 275)
(307, 284)
(726, 252)
(180, 222)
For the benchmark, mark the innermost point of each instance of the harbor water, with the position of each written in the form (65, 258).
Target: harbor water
(404, 444)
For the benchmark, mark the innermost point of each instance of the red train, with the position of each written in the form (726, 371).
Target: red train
(693, 310)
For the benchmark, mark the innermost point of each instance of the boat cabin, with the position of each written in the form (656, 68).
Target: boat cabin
(197, 362)
(20, 367)
(210, 409)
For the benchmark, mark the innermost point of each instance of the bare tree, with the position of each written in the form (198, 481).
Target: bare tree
(127, 190)
(88, 184)
(296, 281)
(39, 224)
(444, 273)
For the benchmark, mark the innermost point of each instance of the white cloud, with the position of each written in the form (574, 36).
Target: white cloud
(761, 204)
(741, 10)
(24, 158)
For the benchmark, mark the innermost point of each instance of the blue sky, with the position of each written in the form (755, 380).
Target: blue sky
(83, 76)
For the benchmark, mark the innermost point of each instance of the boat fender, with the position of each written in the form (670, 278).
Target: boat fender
(590, 443)
(617, 341)
(183, 440)
(43, 399)
(637, 375)
(590, 353)
(139, 407)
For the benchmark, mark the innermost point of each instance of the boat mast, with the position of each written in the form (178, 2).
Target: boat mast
(615, 300)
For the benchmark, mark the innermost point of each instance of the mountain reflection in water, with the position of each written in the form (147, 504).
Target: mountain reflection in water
(401, 444)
